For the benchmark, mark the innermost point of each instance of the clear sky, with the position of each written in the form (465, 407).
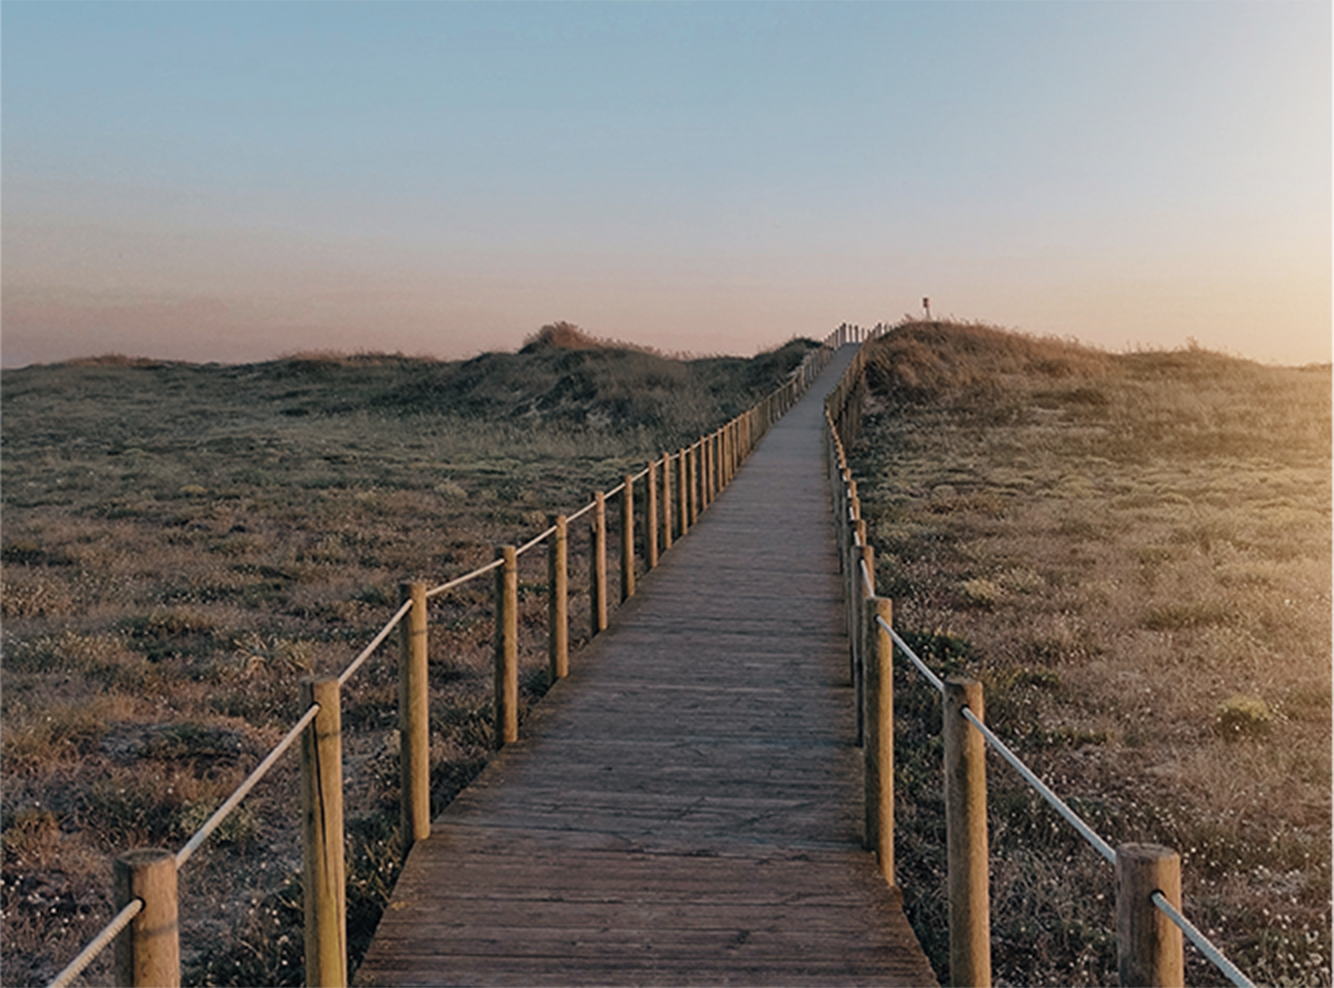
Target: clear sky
(232, 181)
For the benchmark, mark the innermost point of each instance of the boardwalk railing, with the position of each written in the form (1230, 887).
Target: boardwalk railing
(1149, 922)
(677, 488)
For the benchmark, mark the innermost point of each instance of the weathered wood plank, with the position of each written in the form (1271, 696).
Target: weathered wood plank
(684, 808)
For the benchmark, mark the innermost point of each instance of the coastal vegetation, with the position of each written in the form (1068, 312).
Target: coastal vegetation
(182, 543)
(1132, 553)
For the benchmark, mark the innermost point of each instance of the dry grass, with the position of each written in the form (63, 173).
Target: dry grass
(182, 543)
(1132, 552)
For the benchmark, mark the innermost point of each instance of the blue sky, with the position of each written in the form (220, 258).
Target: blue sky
(233, 181)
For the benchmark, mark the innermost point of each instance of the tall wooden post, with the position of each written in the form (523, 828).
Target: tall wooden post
(323, 876)
(507, 646)
(414, 719)
(651, 517)
(879, 750)
(692, 461)
(666, 501)
(683, 490)
(627, 538)
(705, 491)
(966, 836)
(148, 951)
(597, 566)
(1148, 944)
(558, 598)
(861, 594)
(715, 478)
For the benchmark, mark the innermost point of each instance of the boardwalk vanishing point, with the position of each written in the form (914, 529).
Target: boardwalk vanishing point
(686, 807)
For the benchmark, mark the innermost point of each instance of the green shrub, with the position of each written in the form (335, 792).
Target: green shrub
(1242, 716)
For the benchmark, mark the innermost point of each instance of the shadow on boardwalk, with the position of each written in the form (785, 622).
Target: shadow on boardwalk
(686, 807)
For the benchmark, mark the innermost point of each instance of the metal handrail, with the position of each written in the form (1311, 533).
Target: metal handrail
(459, 581)
(534, 541)
(109, 932)
(583, 511)
(1058, 804)
(1202, 942)
(922, 667)
(355, 664)
(261, 770)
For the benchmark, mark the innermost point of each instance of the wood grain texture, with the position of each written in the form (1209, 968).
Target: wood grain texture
(686, 807)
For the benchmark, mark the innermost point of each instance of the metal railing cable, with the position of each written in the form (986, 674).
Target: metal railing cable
(262, 769)
(534, 541)
(366, 652)
(922, 667)
(1201, 942)
(583, 511)
(1058, 804)
(89, 953)
(466, 577)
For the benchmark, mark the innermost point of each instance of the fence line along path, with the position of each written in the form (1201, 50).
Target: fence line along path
(686, 807)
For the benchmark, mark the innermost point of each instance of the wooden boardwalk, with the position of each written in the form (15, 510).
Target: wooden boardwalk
(685, 809)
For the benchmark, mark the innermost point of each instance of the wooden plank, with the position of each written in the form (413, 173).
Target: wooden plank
(685, 807)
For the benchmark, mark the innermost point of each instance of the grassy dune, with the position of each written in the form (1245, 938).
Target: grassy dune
(182, 543)
(1132, 552)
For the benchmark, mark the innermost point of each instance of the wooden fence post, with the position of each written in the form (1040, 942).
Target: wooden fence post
(706, 470)
(879, 750)
(667, 518)
(507, 646)
(705, 494)
(627, 539)
(862, 594)
(651, 517)
(558, 598)
(692, 462)
(682, 494)
(703, 455)
(1148, 944)
(414, 719)
(323, 875)
(716, 465)
(966, 836)
(148, 951)
(597, 566)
